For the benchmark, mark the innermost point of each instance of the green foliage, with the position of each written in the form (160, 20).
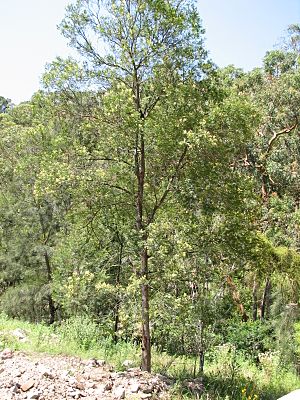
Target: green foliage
(80, 332)
(253, 337)
(26, 302)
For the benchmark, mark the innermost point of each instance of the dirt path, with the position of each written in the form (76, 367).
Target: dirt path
(43, 377)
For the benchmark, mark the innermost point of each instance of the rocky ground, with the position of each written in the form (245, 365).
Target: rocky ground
(42, 377)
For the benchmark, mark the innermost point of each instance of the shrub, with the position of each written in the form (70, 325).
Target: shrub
(80, 331)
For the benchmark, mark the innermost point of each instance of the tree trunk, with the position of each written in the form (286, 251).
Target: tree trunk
(265, 303)
(52, 308)
(201, 351)
(143, 272)
(118, 302)
(254, 301)
(146, 344)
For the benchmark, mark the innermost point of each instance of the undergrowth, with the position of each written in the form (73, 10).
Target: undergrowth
(229, 375)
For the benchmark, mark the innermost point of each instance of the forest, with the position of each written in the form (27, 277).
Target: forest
(155, 197)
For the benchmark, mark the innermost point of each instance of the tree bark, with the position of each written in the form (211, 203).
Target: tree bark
(265, 303)
(52, 308)
(201, 350)
(254, 301)
(140, 167)
(118, 302)
(146, 344)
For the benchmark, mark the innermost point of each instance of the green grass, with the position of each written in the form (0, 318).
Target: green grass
(228, 374)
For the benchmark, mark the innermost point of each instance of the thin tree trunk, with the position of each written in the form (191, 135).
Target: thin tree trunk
(265, 303)
(118, 302)
(201, 351)
(254, 301)
(146, 344)
(52, 308)
(143, 272)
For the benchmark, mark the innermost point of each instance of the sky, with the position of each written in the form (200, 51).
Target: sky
(238, 32)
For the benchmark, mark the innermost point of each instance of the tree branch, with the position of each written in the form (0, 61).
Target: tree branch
(171, 180)
(276, 135)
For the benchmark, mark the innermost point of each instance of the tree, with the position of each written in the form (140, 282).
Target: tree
(162, 127)
(30, 219)
(154, 47)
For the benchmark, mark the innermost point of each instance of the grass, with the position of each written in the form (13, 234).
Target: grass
(228, 374)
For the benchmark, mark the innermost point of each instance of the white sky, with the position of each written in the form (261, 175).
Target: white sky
(238, 32)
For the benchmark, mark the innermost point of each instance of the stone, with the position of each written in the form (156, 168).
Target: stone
(108, 386)
(34, 395)
(119, 393)
(148, 388)
(146, 396)
(6, 354)
(27, 385)
(73, 393)
(45, 372)
(80, 385)
(92, 362)
(16, 388)
(134, 388)
(91, 385)
(101, 363)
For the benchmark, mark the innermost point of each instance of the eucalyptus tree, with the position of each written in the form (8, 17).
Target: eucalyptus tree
(161, 128)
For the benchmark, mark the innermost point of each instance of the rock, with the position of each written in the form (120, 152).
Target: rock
(91, 385)
(73, 393)
(146, 396)
(295, 395)
(27, 385)
(108, 386)
(45, 372)
(16, 388)
(6, 354)
(148, 388)
(101, 363)
(79, 378)
(34, 395)
(119, 393)
(80, 385)
(134, 388)
(92, 362)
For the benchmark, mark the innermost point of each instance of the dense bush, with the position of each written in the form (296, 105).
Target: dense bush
(252, 337)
